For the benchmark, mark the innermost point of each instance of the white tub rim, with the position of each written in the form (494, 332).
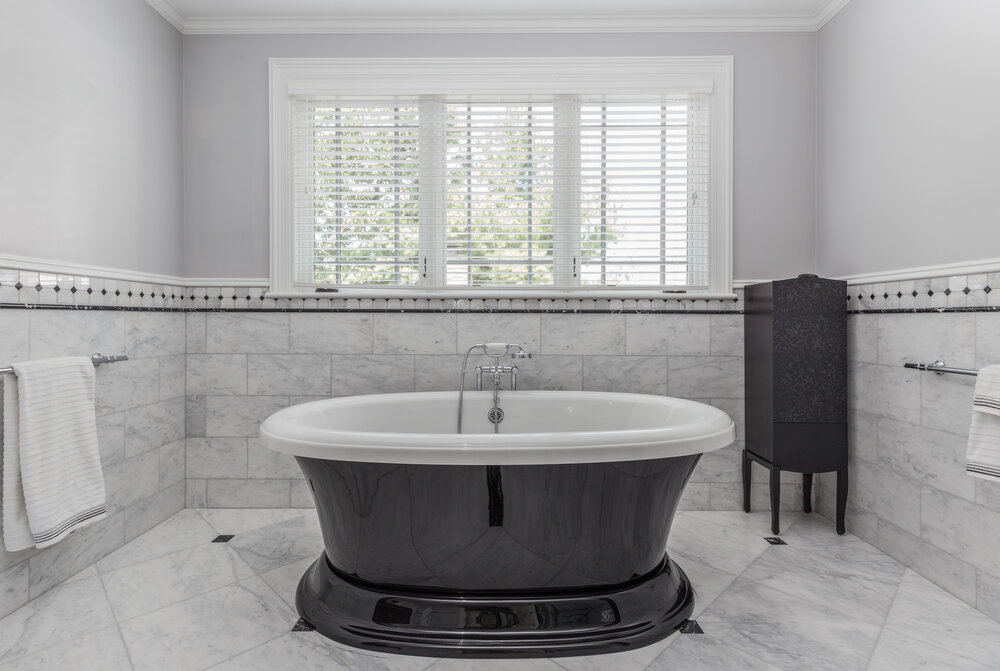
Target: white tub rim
(709, 429)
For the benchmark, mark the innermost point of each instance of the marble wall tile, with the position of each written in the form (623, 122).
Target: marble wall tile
(239, 416)
(729, 496)
(13, 588)
(884, 391)
(727, 335)
(932, 457)
(725, 465)
(301, 495)
(696, 496)
(862, 338)
(248, 494)
(679, 335)
(736, 409)
(924, 338)
(988, 493)
(987, 337)
(551, 372)
(246, 332)
(276, 374)
(418, 333)
(14, 336)
(154, 334)
(941, 567)
(441, 373)
(264, 463)
(74, 553)
(987, 595)
(961, 528)
(194, 416)
(371, 374)
(216, 457)
(862, 435)
(569, 334)
(127, 384)
(146, 514)
(218, 374)
(131, 480)
(523, 329)
(196, 493)
(946, 402)
(706, 377)
(150, 426)
(195, 333)
(111, 437)
(171, 459)
(74, 333)
(336, 333)
(172, 382)
(897, 499)
(631, 374)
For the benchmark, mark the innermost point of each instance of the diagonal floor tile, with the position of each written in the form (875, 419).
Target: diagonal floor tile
(100, 651)
(708, 582)
(721, 547)
(924, 611)
(242, 520)
(269, 547)
(705, 652)
(298, 650)
(630, 660)
(784, 630)
(64, 613)
(285, 579)
(207, 629)
(896, 652)
(757, 522)
(142, 588)
(184, 530)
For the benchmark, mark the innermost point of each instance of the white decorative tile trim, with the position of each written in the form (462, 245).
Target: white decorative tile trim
(30, 288)
(980, 291)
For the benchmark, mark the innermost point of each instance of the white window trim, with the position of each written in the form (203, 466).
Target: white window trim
(290, 77)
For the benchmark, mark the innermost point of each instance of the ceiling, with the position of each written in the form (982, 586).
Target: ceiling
(205, 17)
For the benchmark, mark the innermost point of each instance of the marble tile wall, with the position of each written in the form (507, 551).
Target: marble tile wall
(909, 494)
(242, 366)
(140, 419)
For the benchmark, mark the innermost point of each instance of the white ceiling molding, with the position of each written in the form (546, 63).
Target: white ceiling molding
(389, 22)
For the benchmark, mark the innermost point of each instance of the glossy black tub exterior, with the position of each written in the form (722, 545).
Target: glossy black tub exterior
(496, 561)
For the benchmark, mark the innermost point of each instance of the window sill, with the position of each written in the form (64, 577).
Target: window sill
(487, 294)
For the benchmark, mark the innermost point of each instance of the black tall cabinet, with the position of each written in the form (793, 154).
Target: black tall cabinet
(796, 385)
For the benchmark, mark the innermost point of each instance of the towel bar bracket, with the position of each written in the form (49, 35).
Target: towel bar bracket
(96, 359)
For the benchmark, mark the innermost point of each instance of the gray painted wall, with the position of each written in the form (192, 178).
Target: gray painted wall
(90, 158)
(226, 133)
(907, 134)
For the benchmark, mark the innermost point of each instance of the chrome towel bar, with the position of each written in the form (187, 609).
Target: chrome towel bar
(940, 367)
(96, 359)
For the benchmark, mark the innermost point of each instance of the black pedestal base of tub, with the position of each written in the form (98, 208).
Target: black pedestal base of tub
(437, 624)
(496, 561)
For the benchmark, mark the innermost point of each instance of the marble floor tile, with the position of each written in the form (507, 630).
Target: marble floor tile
(365, 660)
(498, 665)
(142, 588)
(896, 652)
(184, 530)
(924, 611)
(702, 652)
(279, 544)
(631, 660)
(65, 613)
(285, 579)
(242, 520)
(708, 582)
(207, 629)
(294, 650)
(757, 522)
(814, 529)
(722, 547)
(849, 577)
(784, 630)
(100, 651)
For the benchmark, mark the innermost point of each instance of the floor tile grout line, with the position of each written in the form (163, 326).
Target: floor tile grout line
(114, 614)
(166, 554)
(885, 621)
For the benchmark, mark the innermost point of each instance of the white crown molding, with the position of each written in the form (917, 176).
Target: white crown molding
(828, 12)
(975, 267)
(494, 24)
(54, 267)
(167, 11)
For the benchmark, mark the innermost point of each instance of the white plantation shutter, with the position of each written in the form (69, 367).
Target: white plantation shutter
(556, 191)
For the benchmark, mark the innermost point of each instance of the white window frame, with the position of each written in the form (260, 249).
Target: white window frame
(289, 77)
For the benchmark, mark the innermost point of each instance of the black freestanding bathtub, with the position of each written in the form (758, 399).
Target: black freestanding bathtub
(546, 539)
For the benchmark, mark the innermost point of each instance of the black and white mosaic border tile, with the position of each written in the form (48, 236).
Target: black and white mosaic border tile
(34, 289)
(957, 292)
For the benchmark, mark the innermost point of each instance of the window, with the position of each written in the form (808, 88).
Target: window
(542, 176)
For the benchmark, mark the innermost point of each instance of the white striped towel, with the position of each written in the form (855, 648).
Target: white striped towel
(52, 478)
(982, 456)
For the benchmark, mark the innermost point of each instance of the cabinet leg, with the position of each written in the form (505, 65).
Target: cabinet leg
(775, 497)
(807, 491)
(747, 475)
(841, 498)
